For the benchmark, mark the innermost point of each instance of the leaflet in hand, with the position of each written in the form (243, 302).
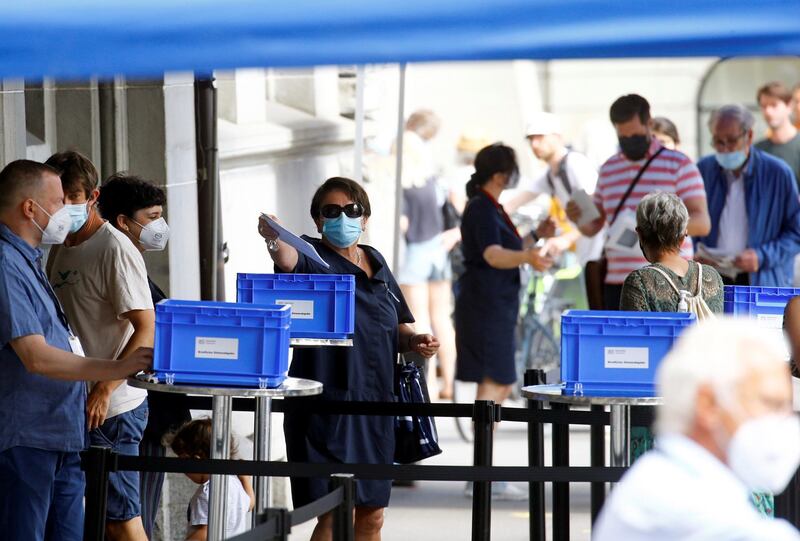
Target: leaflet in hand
(589, 211)
(622, 235)
(721, 261)
(294, 241)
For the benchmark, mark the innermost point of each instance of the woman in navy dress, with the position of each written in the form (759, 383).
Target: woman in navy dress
(488, 301)
(340, 208)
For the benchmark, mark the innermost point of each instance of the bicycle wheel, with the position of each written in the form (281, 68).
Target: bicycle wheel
(537, 349)
(464, 392)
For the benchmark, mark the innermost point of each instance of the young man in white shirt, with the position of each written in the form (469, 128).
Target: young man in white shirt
(100, 278)
(725, 430)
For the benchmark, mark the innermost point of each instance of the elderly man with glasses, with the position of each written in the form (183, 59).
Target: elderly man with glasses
(753, 204)
(726, 429)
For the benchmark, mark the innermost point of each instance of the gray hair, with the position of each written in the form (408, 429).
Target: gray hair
(662, 219)
(719, 353)
(740, 113)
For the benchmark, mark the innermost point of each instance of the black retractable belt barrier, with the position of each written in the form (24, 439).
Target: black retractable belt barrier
(535, 460)
(560, 489)
(484, 417)
(343, 528)
(97, 463)
(274, 527)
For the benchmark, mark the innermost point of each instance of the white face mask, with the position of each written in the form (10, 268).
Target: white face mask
(154, 236)
(57, 228)
(765, 452)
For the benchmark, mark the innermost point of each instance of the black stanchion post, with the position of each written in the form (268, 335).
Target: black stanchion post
(284, 526)
(484, 418)
(343, 529)
(597, 437)
(96, 462)
(535, 460)
(560, 490)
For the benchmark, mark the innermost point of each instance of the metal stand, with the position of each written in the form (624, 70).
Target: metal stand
(620, 435)
(222, 404)
(95, 463)
(262, 441)
(560, 490)
(535, 460)
(220, 449)
(597, 437)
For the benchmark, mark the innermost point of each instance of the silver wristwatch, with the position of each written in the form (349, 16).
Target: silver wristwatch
(272, 245)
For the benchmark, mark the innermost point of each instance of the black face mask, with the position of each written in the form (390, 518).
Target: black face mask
(634, 147)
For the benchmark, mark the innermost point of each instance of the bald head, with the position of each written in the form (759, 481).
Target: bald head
(21, 180)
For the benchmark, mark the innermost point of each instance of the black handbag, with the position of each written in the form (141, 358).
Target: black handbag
(415, 437)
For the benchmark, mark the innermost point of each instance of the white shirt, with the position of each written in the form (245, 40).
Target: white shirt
(236, 509)
(733, 224)
(581, 174)
(680, 491)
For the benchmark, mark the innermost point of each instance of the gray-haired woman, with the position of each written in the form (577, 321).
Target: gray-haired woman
(661, 222)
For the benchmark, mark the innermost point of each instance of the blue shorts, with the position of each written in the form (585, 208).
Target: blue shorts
(425, 262)
(122, 433)
(41, 495)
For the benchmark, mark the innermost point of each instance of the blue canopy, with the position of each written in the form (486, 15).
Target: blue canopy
(78, 38)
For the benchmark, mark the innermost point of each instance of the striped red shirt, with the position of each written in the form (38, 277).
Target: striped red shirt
(671, 172)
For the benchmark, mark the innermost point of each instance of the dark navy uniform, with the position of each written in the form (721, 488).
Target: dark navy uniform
(488, 299)
(362, 372)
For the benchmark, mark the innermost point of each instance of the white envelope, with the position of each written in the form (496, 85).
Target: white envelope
(622, 234)
(589, 210)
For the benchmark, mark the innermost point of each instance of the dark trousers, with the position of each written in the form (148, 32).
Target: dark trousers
(41, 495)
(612, 294)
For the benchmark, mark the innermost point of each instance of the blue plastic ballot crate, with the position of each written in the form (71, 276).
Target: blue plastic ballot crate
(764, 304)
(323, 305)
(606, 353)
(221, 343)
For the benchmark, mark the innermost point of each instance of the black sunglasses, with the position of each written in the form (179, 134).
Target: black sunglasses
(351, 210)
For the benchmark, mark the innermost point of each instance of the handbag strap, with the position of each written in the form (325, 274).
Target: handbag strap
(562, 174)
(678, 291)
(634, 183)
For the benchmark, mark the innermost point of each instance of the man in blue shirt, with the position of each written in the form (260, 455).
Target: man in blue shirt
(42, 368)
(753, 204)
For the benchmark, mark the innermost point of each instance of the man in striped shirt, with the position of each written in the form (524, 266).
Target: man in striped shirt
(667, 171)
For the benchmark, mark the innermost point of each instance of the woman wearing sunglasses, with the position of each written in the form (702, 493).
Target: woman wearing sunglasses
(340, 209)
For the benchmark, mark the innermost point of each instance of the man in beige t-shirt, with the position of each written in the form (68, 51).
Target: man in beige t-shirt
(100, 278)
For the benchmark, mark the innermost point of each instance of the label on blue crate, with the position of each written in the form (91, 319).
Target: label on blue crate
(300, 309)
(770, 321)
(216, 348)
(617, 357)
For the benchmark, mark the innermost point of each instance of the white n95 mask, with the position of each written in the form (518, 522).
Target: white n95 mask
(57, 228)
(154, 236)
(765, 452)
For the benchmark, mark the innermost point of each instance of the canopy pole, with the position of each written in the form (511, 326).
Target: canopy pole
(358, 150)
(398, 192)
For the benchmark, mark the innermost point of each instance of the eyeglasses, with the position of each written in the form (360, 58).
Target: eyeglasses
(351, 210)
(727, 143)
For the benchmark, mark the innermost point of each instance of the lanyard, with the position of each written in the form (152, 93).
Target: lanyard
(502, 213)
(48, 288)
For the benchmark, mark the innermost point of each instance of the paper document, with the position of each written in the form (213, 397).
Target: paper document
(723, 262)
(622, 234)
(589, 210)
(294, 241)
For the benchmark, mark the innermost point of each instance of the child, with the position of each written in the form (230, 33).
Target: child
(193, 440)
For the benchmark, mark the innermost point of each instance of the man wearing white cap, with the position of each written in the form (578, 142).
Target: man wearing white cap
(567, 173)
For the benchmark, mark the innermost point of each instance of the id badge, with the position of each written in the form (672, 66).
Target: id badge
(75, 346)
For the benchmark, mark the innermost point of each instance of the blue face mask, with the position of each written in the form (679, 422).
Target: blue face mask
(731, 160)
(79, 214)
(343, 231)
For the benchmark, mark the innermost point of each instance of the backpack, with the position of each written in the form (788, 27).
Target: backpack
(690, 303)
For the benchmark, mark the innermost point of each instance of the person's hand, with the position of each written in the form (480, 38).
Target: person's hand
(450, 238)
(546, 229)
(555, 246)
(538, 260)
(139, 361)
(265, 230)
(747, 261)
(574, 212)
(424, 344)
(97, 404)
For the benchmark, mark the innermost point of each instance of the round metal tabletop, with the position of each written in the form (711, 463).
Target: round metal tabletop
(290, 387)
(553, 393)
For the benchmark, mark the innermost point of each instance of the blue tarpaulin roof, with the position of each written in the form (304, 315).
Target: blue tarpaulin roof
(76, 38)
